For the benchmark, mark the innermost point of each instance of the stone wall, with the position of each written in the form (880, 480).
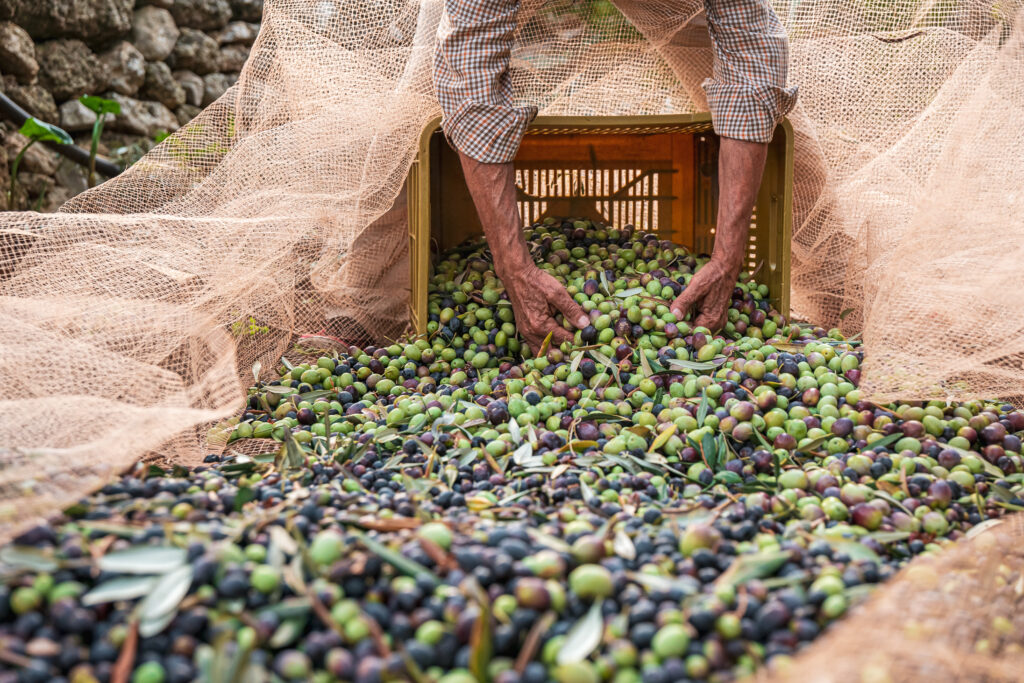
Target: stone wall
(162, 60)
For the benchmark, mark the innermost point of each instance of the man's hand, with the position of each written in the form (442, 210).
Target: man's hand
(740, 166)
(536, 296)
(708, 295)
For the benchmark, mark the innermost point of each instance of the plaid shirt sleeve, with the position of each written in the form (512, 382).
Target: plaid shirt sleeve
(747, 93)
(472, 80)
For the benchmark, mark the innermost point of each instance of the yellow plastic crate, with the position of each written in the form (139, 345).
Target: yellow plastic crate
(657, 172)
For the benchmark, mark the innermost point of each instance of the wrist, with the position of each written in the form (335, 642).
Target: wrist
(512, 267)
(729, 262)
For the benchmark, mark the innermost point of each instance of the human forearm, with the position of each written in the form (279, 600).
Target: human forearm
(740, 167)
(494, 194)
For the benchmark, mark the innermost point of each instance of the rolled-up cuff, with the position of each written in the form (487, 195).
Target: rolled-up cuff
(488, 133)
(748, 112)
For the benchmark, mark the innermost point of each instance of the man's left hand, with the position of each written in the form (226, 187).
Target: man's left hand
(708, 295)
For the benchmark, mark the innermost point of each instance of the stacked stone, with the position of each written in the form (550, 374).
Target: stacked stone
(161, 60)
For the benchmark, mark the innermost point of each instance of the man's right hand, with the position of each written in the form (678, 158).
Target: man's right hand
(536, 296)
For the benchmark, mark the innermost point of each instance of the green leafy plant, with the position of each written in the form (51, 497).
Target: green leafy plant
(101, 108)
(36, 131)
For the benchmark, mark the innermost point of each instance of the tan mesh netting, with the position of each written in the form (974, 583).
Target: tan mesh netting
(955, 616)
(130, 322)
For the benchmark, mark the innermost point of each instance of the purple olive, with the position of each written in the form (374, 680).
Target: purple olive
(842, 427)
(948, 458)
(994, 433)
(941, 493)
(866, 516)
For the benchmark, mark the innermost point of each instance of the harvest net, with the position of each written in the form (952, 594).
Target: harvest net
(950, 617)
(131, 321)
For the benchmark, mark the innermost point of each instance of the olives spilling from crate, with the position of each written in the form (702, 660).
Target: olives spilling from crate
(652, 502)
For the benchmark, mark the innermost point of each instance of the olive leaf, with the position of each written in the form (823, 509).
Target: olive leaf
(884, 537)
(702, 409)
(709, 448)
(545, 344)
(728, 477)
(397, 560)
(522, 454)
(814, 443)
(163, 600)
(884, 495)
(290, 457)
(243, 465)
(749, 567)
(598, 416)
(584, 636)
(287, 633)
(281, 544)
(992, 470)
(143, 560)
(290, 608)
(886, 440)
(664, 584)
(623, 546)
(548, 541)
(856, 550)
(27, 557)
(514, 431)
(481, 641)
(151, 627)
(588, 495)
(242, 496)
(611, 460)
(607, 362)
(256, 367)
(577, 358)
(645, 365)
(121, 588)
(662, 438)
(314, 395)
(693, 365)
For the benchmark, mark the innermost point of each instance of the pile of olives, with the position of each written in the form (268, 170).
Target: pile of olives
(651, 503)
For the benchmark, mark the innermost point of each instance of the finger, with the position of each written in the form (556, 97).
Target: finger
(535, 336)
(559, 334)
(572, 311)
(685, 302)
(533, 343)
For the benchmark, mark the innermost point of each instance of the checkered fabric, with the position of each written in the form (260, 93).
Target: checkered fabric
(471, 76)
(747, 93)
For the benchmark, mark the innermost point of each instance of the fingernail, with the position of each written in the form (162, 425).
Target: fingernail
(582, 321)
